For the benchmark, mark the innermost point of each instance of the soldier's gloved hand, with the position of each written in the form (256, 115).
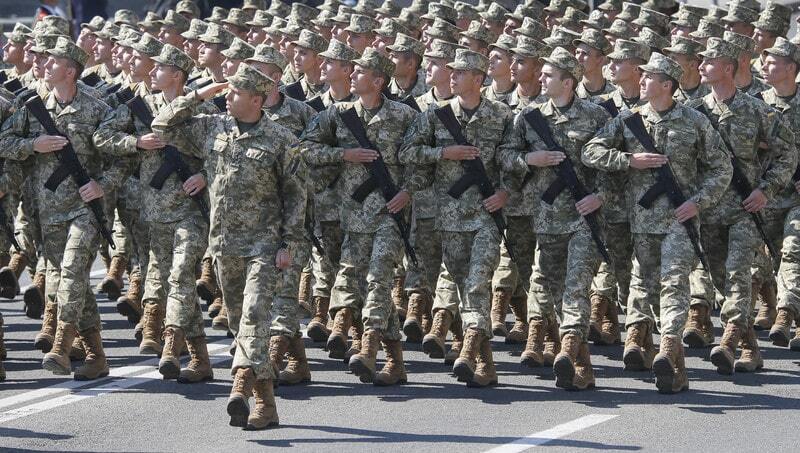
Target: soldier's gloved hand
(398, 202)
(544, 158)
(194, 184)
(589, 204)
(360, 155)
(686, 211)
(496, 202)
(641, 161)
(460, 152)
(150, 141)
(283, 259)
(49, 143)
(211, 90)
(90, 191)
(755, 202)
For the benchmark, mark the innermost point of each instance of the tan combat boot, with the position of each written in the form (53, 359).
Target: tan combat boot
(394, 370)
(95, 366)
(220, 322)
(458, 342)
(78, 352)
(112, 283)
(669, 367)
(264, 413)
(780, 333)
(766, 311)
(584, 374)
(356, 334)
(170, 365)
(206, 285)
(363, 363)
(238, 406)
(33, 296)
(485, 371)
(297, 370)
(57, 360)
(552, 340)
(152, 329)
(216, 305)
(433, 343)
(317, 327)
(794, 344)
(412, 326)
(9, 275)
(278, 345)
(337, 340)
(696, 333)
(750, 360)
(44, 339)
(500, 300)
(199, 367)
(464, 366)
(304, 294)
(639, 349)
(519, 331)
(533, 356)
(600, 306)
(609, 328)
(130, 305)
(724, 355)
(427, 316)
(399, 296)
(564, 365)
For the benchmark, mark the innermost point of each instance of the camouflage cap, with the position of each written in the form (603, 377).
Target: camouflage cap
(442, 11)
(466, 11)
(95, 24)
(65, 48)
(367, 7)
(391, 27)
(343, 14)
(443, 30)
(559, 6)
(572, 17)
(495, 13)
(563, 59)
(188, 7)
(254, 4)
(237, 17)
(323, 19)
(390, 8)
(739, 13)
(360, 23)
(684, 46)
(19, 34)
(653, 40)
(239, 50)
(594, 39)
(330, 5)
(340, 51)
(279, 9)
(626, 50)
(409, 19)
(778, 9)
(533, 9)
(215, 34)
(277, 26)
(755, 5)
(784, 48)
(531, 48)
(373, 59)
(151, 20)
(532, 28)
(561, 37)
(177, 21)
(267, 54)
(262, 18)
(44, 42)
(405, 43)
(686, 18)
(630, 11)
(126, 16)
(597, 20)
(466, 60)
(662, 64)
(251, 79)
(218, 14)
(304, 13)
(196, 28)
(109, 30)
(707, 29)
(507, 4)
(715, 15)
(745, 43)
(419, 7)
(127, 36)
(772, 22)
(312, 41)
(660, 5)
(55, 22)
(610, 5)
(652, 19)
(172, 56)
(443, 49)
(476, 30)
(292, 28)
(148, 45)
(504, 42)
(719, 48)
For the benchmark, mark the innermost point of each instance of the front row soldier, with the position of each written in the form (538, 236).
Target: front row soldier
(258, 200)
(652, 143)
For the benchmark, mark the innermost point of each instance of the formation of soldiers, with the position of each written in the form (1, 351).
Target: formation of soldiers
(418, 171)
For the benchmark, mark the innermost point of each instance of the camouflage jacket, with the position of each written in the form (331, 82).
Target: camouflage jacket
(417, 89)
(595, 96)
(256, 182)
(327, 98)
(291, 114)
(425, 200)
(684, 96)
(787, 196)
(490, 93)
(686, 137)
(755, 87)
(518, 102)
(428, 99)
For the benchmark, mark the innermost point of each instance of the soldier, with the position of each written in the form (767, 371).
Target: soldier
(406, 54)
(502, 86)
(494, 18)
(526, 66)
(591, 51)
(266, 198)
(172, 28)
(685, 52)
(152, 23)
(707, 29)
(210, 56)
(236, 23)
(476, 38)
(360, 32)
(437, 74)
(258, 28)
(740, 18)
(306, 61)
(234, 55)
(684, 22)
(337, 65)
(7, 202)
(773, 22)
(745, 81)
(191, 46)
(14, 51)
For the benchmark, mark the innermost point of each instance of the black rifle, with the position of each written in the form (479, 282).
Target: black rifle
(3, 77)
(69, 165)
(474, 173)
(124, 95)
(408, 100)
(194, 79)
(220, 103)
(295, 91)
(379, 178)
(316, 103)
(566, 177)
(93, 80)
(13, 85)
(666, 184)
(173, 162)
(744, 189)
(610, 107)
(204, 83)
(113, 89)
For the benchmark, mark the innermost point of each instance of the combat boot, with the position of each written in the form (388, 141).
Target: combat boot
(33, 296)
(241, 391)
(337, 340)
(500, 300)
(78, 352)
(609, 328)
(216, 305)
(600, 306)
(130, 305)
(399, 296)
(304, 295)
(464, 366)
(552, 340)
(199, 367)
(485, 371)
(278, 345)
(533, 355)
(297, 370)
(794, 344)
(766, 311)
(9, 275)
(519, 331)
(356, 334)
(44, 339)
(95, 366)
(206, 285)
(750, 360)
(152, 329)
(669, 367)
(780, 332)
(412, 326)
(584, 374)
(564, 364)
(394, 370)
(457, 344)
(433, 343)
(264, 413)
(696, 334)
(317, 327)
(112, 283)
(169, 365)
(220, 322)
(57, 360)
(639, 348)
(724, 355)
(427, 316)
(363, 363)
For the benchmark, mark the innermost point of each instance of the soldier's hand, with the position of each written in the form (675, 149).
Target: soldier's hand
(460, 152)
(686, 211)
(150, 141)
(398, 202)
(49, 143)
(211, 90)
(589, 204)
(755, 202)
(194, 184)
(283, 259)
(544, 158)
(496, 202)
(641, 161)
(360, 155)
(90, 191)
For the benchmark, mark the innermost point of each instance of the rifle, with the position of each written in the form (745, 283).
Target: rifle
(3, 77)
(92, 80)
(474, 174)
(744, 189)
(13, 85)
(124, 95)
(173, 162)
(295, 91)
(566, 178)
(69, 165)
(666, 184)
(610, 107)
(113, 89)
(316, 103)
(379, 178)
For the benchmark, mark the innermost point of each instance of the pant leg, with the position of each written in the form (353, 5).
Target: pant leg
(645, 288)
(285, 310)
(677, 260)
(704, 282)
(157, 283)
(427, 243)
(582, 261)
(789, 271)
(349, 289)
(189, 241)
(523, 240)
(743, 242)
(613, 280)
(387, 251)
(325, 267)
(547, 278)
(231, 271)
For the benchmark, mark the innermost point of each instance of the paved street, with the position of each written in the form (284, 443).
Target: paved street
(134, 410)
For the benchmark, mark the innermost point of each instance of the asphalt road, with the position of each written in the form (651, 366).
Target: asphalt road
(134, 410)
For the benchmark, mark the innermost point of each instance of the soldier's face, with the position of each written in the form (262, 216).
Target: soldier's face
(763, 39)
(680, 31)
(525, 69)
(778, 69)
(688, 63)
(209, 55)
(230, 66)
(161, 76)
(552, 84)
(496, 28)
(334, 71)
(510, 25)
(102, 50)
(13, 52)
(324, 31)
(363, 81)
(464, 82)
(192, 48)
(29, 57)
(242, 103)
(437, 72)
(39, 63)
(404, 64)
(742, 28)
(499, 64)
(359, 41)
(86, 40)
(236, 31)
(141, 66)
(337, 31)
(623, 71)
(170, 35)
(551, 19)
(712, 70)
(651, 87)
(381, 42)
(305, 60)
(256, 36)
(589, 57)
(57, 70)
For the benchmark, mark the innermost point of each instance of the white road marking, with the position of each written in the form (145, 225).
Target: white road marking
(97, 273)
(548, 435)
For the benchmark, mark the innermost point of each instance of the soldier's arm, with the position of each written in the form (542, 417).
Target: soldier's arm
(780, 140)
(116, 133)
(603, 152)
(180, 124)
(420, 140)
(12, 177)
(415, 176)
(292, 179)
(509, 151)
(513, 149)
(319, 143)
(15, 140)
(718, 170)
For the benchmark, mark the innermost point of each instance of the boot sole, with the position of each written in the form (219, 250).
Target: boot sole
(238, 411)
(250, 427)
(43, 344)
(565, 373)
(779, 338)
(337, 348)
(34, 305)
(291, 383)
(694, 340)
(432, 348)
(149, 350)
(364, 374)
(746, 368)
(54, 367)
(129, 312)
(413, 331)
(765, 324)
(531, 362)
(380, 383)
(794, 345)
(665, 376)
(317, 332)
(169, 369)
(206, 378)
(83, 377)
(633, 361)
(463, 371)
(111, 289)
(204, 292)
(720, 360)
(499, 331)
(8, 292)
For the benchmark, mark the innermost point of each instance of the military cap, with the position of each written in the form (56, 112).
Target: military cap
(269, 55)
(279, 9)
(126, 16)
(698, 10)
(65, 48)
(596, 20)
(476, 30)
(188, 7)
(715, 14)
(419, 7)
(196, 28)
(251, 79)
(660, 5)
(405, 43)
(311, 40)
(236, 17)
(55, 22)
(443, 49)
(254, 4)
(262, 18)
(95, 24)
(558, 6)
(376, 61)
(330, 5)
(292, 28)
(303, 13)
(739, 13)
(466, 60)
(626, 50)
(44, 42)
(719, 48)
(504, 42)
(707, 29)
(109, 30)
(522, 11)
(754, 5)
(443, 30)
(563, 59)
(20, 33)
(495, 13)
(684, 46)
(466, 11)
(652, 19)
(360, 23)
(745, 43)
(772, 22)
(572, 17)
(391, 27)
(343, 14)
(653, 40)
(367, 7)
(662, 64)
(531, 48)
(390, 8)
(610, 5)
(172, 56)
(532, 28)
(218, 14)
(594, 39)
(148, 45)
(686, 18)
(509, 5)
(561, 37)
(175, 20)
(409, 19)
(441, 11)
(151, 21)
(215, 34)
(784, 48)
(778, 9)
(239, 50)
(277, 26)
(340, 51)
(630, 11)
(323, 19)
(127, 36)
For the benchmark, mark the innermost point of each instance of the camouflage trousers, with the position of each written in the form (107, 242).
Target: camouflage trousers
(131, 234)
(364, 280)
(28, 229)
(783, 228)
(511, 276)
(660, 279)
(175, 248)
(427, 244)
(324, 267)
(764, 268)
(286, 317)
(563, 269)
(249, 286)
(7, 203)
(69, 249)
(613, 280)
(470, 258)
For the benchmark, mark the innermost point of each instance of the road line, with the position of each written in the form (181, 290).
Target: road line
(548, 435)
